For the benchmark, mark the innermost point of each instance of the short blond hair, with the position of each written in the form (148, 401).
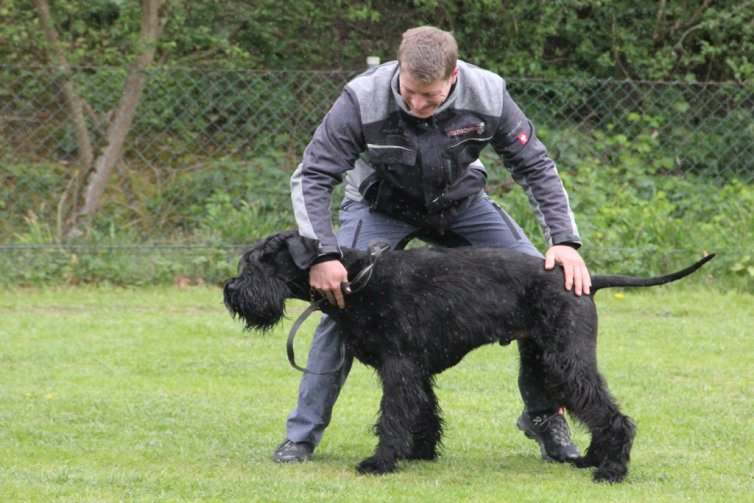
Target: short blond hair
(428, 53)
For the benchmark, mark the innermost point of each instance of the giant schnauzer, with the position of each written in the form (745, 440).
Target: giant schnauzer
(420, 311)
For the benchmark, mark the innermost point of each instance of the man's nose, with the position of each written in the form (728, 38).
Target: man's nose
(417, 102)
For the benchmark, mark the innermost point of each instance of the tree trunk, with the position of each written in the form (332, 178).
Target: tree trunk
(153, 18)
(99, 169)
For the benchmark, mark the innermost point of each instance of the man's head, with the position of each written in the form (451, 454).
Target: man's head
(427, 58)
(428, 54)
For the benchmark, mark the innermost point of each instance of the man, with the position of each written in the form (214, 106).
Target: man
(407, 136)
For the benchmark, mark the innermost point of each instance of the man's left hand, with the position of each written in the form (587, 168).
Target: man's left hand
(574, 268)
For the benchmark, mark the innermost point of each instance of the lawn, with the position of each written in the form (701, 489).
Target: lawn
(155, 394)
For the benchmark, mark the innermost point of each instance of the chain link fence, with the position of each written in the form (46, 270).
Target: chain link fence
(190, 117)
(186, 115)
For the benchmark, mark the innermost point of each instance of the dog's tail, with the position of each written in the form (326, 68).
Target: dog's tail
(607, 281)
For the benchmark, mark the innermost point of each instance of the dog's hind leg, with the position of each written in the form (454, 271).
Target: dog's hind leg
(403, 409)
(574, 380)
(612, 434)
(610, 449)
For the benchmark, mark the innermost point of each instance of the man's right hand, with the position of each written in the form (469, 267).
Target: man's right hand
(327, 279)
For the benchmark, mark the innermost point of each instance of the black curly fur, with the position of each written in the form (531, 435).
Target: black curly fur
(424, 309)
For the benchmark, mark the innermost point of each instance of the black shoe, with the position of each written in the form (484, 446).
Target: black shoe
(293, 452)
(552, 434)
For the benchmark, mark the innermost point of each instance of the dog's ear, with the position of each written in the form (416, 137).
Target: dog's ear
(302, 250)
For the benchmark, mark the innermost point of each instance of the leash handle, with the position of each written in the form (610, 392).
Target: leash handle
(376, 248)
(292, 335)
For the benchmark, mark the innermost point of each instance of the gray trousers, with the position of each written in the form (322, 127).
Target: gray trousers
(482, 224)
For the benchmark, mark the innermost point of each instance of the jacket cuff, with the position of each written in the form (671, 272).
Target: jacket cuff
(567, 240)
(327, 257)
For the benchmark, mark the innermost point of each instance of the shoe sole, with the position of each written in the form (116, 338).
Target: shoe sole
(291, 459)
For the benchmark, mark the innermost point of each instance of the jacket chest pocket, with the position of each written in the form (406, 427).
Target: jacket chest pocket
(391, 157)
(397, 166)
(456, 158)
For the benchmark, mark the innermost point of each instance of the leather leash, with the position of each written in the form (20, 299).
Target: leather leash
(360, 281)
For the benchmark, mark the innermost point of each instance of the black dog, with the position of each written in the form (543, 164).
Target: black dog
(422, 310)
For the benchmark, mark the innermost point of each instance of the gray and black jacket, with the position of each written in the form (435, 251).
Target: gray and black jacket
(423, 170)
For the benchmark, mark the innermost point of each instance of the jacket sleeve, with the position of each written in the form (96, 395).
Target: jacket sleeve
(526, 158)
(333, 150)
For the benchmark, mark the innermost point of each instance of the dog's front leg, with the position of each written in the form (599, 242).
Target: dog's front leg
(401, 390)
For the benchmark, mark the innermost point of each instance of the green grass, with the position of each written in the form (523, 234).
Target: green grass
(155, 394)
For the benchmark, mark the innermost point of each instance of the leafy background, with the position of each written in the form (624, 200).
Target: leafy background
(638, 212)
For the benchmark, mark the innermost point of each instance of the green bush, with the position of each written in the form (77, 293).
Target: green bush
(636, 216)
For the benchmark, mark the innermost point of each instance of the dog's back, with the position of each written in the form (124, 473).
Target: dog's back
(507, 265)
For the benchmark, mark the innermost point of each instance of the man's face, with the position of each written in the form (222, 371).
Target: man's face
(423, 99)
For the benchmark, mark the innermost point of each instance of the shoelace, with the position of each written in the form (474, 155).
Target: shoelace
(558, 427)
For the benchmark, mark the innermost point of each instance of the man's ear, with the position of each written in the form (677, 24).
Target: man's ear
(302, 250)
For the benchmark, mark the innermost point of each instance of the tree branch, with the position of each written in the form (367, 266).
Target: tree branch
(153, 19)
(659, 17)
(75, 102)
(616, 51)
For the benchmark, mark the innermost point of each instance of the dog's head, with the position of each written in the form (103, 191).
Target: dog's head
(272, 270)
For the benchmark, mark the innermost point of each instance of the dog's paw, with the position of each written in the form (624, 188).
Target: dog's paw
(375, 466)
(585, 462)
(422, 455)
(593, 458)
(611, 473)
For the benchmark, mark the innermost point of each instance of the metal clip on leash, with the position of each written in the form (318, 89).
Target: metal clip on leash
(376, 248)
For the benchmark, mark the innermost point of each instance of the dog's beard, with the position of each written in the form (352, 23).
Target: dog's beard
(261, 305)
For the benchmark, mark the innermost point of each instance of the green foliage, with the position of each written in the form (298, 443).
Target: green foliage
(695, 40)
(206, 214)
(639, 207)
(40, 184)
(20, 43)
(638, 212)
(634, 217)
(637, 215)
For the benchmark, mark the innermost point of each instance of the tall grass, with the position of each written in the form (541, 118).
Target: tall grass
(155, 394)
